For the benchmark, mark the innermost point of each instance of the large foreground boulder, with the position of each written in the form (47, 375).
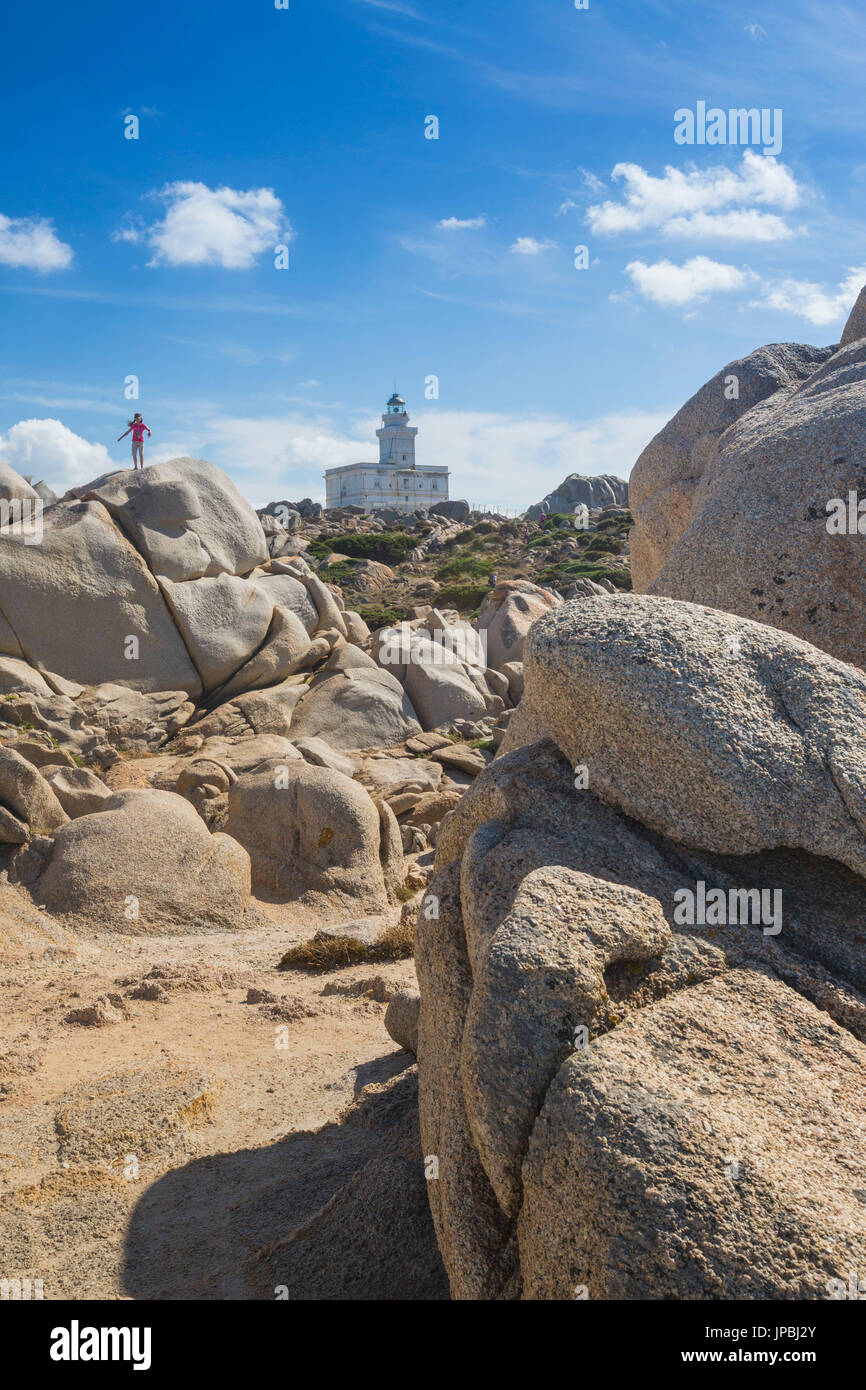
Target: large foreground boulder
(186, 518)
(614, 1083)
(665, 480)
(160, 580)
(721, 733)
(636, 1149)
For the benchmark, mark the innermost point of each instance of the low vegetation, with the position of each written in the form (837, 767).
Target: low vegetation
(336, 952)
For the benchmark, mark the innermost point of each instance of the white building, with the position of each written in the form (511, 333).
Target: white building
(396, 480)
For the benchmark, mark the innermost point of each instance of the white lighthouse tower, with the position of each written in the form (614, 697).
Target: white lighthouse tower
(397, 437)
(396, 482)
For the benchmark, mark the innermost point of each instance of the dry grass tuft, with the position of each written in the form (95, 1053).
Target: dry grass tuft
(336, 952)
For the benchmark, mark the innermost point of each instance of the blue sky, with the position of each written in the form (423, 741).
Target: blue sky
(305, 127)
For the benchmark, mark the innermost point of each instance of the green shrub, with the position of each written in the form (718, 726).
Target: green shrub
(342, 573)
(615, 523)
(388, 547)
(605, 545)
(464, 597)
(472, 566)
(621, 579)
(379, 615)
(561, 576)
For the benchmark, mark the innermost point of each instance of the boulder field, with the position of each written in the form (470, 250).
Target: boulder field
(622, 833)
(181, 700)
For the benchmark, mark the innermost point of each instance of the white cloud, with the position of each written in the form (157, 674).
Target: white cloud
(528, 246)
(212, 226)
(592, 181)
(677, 285)
(698, 202)
(450, 224)
(812, 302)
(284, 456)
(515, 460)
(757, 31)
(505, 458)
(30, 243)
(741, 225)
(49, 449)
(133, 230)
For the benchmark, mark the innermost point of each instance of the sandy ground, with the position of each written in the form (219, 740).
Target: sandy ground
(152, 1157)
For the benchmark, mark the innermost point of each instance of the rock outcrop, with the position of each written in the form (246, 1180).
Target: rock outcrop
(744, 501)
(855, 328)
(507, 614)
(28, 805)
(605, 1077)
(315, 835)
(144, 863)
(85, 604)
(581, 490)
(665, 481)
(158, 580)
(358, 707)
(401, 1018)
(718, 732)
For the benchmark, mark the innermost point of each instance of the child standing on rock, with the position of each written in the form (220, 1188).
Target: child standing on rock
(138, 427)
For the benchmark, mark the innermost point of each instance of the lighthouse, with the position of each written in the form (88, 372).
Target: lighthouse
(397, 437)
(396, 481)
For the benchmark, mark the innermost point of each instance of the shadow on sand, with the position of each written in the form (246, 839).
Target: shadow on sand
(336, 1213)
